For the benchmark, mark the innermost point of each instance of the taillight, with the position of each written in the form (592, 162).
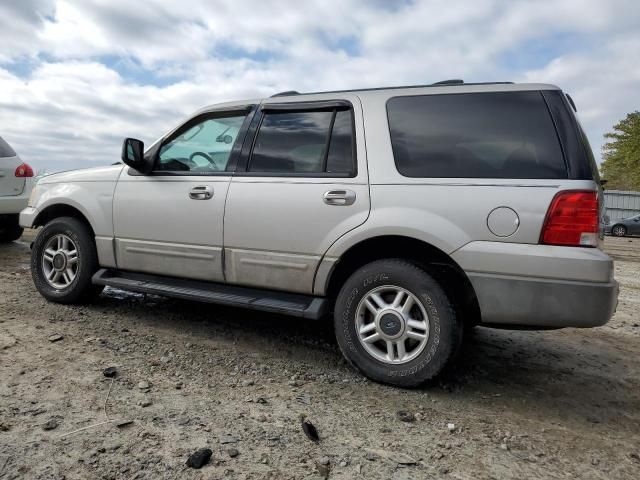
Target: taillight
(24, 170)
(572, 220)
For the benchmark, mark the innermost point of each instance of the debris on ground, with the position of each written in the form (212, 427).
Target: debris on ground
(310, 430)
(405, 416)
(51, 424)
(199, 458)
(110, 372)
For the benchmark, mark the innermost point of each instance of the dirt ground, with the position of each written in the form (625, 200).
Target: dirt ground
(554, 404)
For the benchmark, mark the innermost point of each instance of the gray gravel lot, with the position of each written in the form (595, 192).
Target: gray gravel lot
(555, 404)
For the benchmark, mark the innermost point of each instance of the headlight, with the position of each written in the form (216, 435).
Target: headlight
(32, 197)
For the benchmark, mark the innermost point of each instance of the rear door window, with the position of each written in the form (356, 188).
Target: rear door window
(5, 149)
(475, 135)
(304, 143)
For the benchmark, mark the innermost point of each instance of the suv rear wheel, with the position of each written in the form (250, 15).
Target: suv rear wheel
(63, 260)
(395, 324)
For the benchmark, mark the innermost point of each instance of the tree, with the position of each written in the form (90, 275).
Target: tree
(621, 154)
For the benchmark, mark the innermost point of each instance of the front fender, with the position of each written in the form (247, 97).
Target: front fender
(93, 199)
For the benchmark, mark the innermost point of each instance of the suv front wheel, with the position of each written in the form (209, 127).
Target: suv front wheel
(395, 323)
(63, 260)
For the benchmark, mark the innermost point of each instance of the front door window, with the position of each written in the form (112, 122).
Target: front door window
(204, 147)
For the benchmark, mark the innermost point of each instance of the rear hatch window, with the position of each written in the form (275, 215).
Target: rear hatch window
(475, 135)
(5, 149)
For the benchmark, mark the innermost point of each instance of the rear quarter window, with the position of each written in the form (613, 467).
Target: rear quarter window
(5, 149)
(475, 135)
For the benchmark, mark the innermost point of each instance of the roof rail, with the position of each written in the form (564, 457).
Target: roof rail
(453, 81)
(444, 83)
(285, 93)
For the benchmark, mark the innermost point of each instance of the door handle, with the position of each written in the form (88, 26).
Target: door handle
(339, 197)
(201, 192)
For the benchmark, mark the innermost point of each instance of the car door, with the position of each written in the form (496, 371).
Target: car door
(170, 222)
(634, 225)
(301, 183)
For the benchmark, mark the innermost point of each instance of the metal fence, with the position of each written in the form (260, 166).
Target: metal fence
(621, 204)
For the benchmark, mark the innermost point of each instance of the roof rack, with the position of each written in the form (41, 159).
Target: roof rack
(285, 93)
(455, 81)
(443, 83)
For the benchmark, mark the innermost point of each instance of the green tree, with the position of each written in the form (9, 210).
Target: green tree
(621, 154)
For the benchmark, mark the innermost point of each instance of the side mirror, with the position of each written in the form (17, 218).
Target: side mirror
(133, 155)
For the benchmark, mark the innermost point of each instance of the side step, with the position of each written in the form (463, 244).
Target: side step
(297, 305)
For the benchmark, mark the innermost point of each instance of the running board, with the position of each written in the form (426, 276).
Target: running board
(297, 305)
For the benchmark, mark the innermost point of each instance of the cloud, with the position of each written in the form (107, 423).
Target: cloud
(78, 76)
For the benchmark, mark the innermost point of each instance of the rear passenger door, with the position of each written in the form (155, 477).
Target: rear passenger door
(301, 183)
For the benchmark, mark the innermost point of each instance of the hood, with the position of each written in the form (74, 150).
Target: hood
(95, 174)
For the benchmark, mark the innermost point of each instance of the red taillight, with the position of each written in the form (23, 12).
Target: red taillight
(572, 219)
(24, 170)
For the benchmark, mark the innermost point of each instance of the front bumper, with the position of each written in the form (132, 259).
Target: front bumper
(28, 217)
(521, 301)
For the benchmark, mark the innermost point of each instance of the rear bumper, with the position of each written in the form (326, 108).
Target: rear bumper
(9, 205)
(530, 285)
(518, 301)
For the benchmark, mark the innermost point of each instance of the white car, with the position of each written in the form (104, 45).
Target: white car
(16, 183)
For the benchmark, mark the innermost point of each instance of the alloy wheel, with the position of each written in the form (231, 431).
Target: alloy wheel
(60, 261)
(392, 324)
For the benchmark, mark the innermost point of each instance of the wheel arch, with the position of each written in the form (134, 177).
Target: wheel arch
(450, 275)
(61, 210)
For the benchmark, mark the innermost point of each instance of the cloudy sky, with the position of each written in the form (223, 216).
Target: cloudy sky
(78, 76)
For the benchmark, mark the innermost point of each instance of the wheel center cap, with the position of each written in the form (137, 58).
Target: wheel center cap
(59, 261)
(390, 324)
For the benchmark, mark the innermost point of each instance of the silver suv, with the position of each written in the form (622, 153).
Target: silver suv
(410, 214)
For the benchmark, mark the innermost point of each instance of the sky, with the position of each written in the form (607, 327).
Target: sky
(76, 77)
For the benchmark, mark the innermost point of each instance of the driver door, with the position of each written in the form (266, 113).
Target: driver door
(170, 222)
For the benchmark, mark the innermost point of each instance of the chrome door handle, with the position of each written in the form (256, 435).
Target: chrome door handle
(201, 192)
(339, 197)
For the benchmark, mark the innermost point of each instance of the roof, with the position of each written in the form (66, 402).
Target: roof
(446, 86)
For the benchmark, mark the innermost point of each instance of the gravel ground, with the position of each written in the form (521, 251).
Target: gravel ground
(555, 404)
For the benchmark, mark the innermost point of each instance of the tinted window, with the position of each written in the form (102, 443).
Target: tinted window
(479, 135)
(5, 149)
(299, 142)
(203, 148)
(340, 158)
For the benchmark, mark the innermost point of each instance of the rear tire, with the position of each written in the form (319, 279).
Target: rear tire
(10, 229)
(63, 260)
(619, 230)
(418, 333)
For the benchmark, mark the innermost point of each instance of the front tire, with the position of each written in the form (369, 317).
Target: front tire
(63, 260)
(395, 324)
(10, 229)
(619, 230)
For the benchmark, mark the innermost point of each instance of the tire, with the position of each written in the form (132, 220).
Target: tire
(69, 280)
(10, 230)
(619, 230)
(428, 357)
